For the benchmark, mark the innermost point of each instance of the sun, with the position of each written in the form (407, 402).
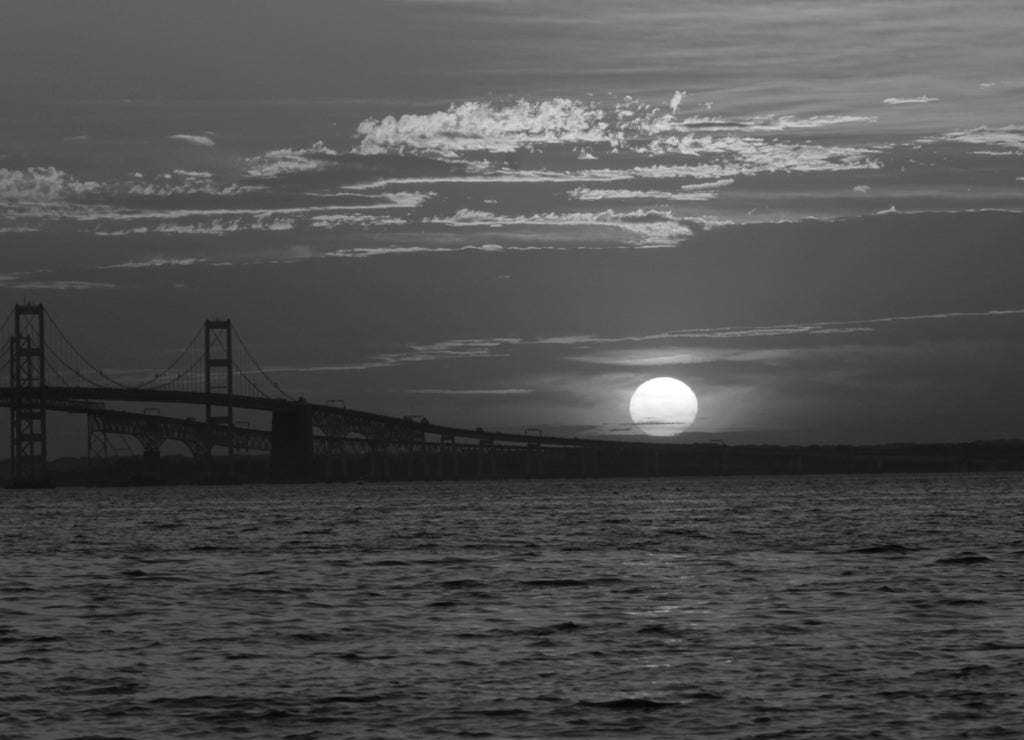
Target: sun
(663, 407)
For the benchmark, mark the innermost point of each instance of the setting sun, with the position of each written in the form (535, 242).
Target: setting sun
(663, 407)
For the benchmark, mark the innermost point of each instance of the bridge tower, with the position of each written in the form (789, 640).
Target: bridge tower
(28, 399)
(219, 375)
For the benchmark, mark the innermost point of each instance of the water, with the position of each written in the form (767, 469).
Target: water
(840, 607)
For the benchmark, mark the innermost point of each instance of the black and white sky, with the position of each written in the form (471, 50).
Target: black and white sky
(510, 213)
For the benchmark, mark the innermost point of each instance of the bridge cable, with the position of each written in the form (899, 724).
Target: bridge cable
(76, 355)
(256, 370)
(192, 346)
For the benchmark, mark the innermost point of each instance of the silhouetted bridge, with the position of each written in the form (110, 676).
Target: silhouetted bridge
(41, 371)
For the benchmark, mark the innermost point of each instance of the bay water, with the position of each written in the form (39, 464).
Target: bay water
(838, 607)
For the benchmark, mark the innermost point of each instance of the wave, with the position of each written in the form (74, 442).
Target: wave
(632, 704)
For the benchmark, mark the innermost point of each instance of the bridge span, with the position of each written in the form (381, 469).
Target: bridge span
(215, 376)
(41, 372)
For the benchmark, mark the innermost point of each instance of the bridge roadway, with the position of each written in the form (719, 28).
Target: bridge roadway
(371, 425)
(303, 433)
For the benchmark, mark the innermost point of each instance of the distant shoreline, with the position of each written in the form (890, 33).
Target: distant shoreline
(631, 460)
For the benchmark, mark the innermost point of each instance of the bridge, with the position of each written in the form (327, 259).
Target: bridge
(216, 376)
(42, 372)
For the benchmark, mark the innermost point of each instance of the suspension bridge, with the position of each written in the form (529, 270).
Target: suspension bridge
(217, 377)
(41, 372)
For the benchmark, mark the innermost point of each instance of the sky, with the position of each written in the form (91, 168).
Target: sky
(504, 214)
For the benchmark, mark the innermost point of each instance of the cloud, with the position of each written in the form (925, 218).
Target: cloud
(717, 159)
(155, 262)
(221, 226)
(732, 155)
(907, 101)
(677, 167)
(58, 285)
(503, 175)
(478, 126)
(810, 328)
(677, 100)
(357, 252)
(662, 355)
(280, 162)
(782, 123)
(1011, 137)
(196, 140)
(592, 194)
(652, 226)
(472, 392)
(365, 220)
(179, 182)
(43, 185)
(444, 350)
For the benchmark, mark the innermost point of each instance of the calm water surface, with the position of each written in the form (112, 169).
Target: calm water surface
(840, 607)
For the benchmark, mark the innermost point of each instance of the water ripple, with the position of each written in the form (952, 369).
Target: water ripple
(740, 608)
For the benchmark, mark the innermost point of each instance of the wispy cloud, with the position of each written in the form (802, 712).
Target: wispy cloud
(288, 161)
(57, 285)
(1011, 137)
(657, 357)
(629, 124)
(178, 182)
(156, 262)
(660, 354)
(907, 101)
(591, 194)
(194, 139)
(652, 226)
(43, 185)
(472, 392)
(443, 350)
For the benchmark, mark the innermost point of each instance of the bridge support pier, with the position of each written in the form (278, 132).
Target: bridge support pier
(337, 463)
(291, 444)
(380, 460)
(151, 464)
(485, 467)
(28, 400)
(219, 373)
(534, 461)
